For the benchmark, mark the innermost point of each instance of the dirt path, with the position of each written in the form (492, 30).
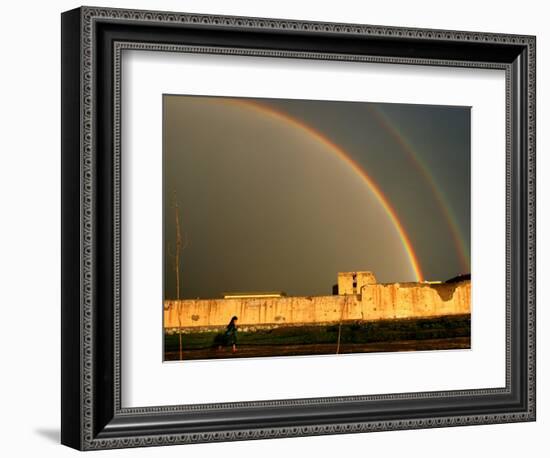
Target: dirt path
(256, 351)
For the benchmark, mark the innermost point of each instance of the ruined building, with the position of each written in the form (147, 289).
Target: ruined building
(359, 298)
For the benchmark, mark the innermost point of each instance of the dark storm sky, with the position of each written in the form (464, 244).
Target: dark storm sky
(265, 206)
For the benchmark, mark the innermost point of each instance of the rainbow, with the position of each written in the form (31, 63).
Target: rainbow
(374, 187)
(442, 202)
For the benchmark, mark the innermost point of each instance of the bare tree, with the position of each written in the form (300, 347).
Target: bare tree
(344, 303)
(180, 246)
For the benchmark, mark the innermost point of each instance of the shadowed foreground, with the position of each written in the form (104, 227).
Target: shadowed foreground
(444, 333)
(256, 351)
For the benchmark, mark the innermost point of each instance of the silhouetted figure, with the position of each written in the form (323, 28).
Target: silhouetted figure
(229, 337)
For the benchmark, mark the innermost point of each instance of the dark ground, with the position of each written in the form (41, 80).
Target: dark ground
(258, 351)
(442, 333)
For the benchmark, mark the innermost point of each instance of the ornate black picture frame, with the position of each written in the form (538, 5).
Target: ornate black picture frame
(92, 42)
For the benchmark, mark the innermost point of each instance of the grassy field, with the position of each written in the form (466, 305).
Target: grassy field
(386, 335)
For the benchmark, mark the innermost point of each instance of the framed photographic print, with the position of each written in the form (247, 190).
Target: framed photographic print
(279, 228)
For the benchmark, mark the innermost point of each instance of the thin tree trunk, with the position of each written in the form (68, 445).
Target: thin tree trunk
(180, 344)
(177, 269)
(339, 334)
(178, 248)
(340, 326)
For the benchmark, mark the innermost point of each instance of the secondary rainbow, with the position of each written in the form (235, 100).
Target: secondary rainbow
(388, 208)
(443, 203)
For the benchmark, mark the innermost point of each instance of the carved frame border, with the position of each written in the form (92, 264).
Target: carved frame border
(88, 437)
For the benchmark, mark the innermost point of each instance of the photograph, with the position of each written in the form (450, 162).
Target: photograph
(314, 227)
(267, 222)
